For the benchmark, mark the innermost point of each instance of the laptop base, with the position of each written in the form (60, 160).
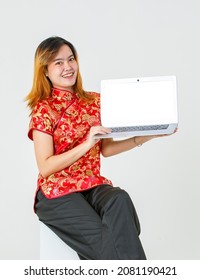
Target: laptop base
(138, 131)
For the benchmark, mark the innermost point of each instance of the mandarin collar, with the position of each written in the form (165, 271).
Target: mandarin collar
(63, 94)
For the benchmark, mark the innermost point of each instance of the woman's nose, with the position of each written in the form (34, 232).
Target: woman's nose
(67, 65)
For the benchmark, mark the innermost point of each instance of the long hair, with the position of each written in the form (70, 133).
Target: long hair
(42, 86)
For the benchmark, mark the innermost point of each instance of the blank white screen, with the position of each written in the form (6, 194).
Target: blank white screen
(138, 103)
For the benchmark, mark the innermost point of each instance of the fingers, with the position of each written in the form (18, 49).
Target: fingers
(174, 131)
(99, 130)
(161, 135)
(94, 130)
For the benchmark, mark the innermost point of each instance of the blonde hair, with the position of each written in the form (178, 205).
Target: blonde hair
(42, 86)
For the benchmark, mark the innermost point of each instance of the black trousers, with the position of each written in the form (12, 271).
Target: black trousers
(99, 224)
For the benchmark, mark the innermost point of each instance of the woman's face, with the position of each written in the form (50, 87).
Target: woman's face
(62, 70)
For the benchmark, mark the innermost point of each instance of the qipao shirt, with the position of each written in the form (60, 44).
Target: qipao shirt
(68, 120)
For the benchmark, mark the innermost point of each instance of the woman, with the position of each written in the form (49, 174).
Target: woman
(82, 207)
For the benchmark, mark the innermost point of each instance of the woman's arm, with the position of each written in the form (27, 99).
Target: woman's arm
(49, 163)
(110, 147)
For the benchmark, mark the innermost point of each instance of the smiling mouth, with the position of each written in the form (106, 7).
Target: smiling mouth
(68, 75)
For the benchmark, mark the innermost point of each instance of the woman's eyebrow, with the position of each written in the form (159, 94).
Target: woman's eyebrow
(56, 59)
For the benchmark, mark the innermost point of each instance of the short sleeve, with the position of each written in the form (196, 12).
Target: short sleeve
(40, 120)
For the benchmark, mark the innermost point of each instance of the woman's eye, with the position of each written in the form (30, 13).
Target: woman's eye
(59, 63)
(72, 59)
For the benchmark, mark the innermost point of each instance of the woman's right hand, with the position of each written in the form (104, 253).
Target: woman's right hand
(91, 140)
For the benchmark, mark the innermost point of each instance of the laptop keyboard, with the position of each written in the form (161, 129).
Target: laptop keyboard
(139, 128)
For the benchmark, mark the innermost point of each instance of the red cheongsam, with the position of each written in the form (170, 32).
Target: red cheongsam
(68, 120)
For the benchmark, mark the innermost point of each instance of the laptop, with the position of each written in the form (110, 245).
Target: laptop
(139, 106)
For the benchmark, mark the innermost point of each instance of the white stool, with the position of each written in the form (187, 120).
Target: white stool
(53, 248)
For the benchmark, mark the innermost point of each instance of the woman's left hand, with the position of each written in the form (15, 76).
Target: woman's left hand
(167, 134)
(143, 139)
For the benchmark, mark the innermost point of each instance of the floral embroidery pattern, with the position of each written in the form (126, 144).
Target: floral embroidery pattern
(68, 119)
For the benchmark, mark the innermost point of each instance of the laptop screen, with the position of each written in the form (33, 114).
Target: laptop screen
(138, 101)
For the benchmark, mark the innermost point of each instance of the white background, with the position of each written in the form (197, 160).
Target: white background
(114, 39)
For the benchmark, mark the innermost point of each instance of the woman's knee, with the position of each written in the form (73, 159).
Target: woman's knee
(120, 195)
(121, 203)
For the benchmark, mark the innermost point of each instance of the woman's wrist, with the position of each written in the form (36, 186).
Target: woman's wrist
(136, 142)
(140, 140)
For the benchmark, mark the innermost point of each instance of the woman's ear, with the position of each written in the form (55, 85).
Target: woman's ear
(46, 71)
